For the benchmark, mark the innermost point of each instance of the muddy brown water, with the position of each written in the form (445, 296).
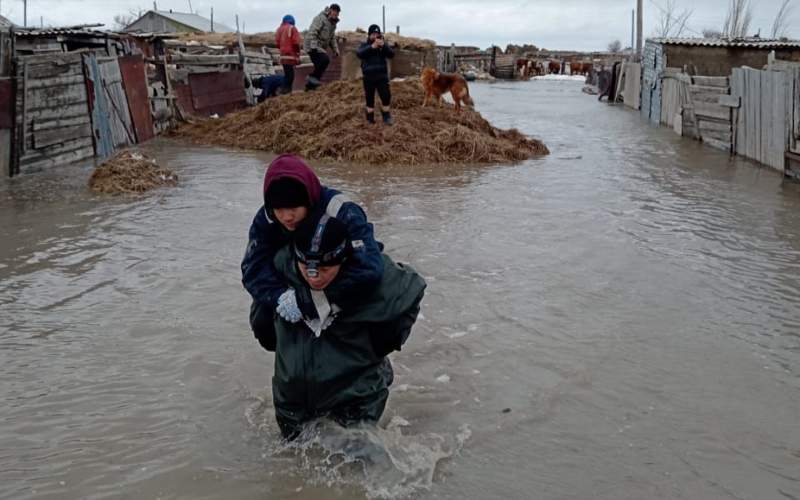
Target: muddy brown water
(617, 320)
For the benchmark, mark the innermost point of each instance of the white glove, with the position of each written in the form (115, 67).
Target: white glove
(287, 307)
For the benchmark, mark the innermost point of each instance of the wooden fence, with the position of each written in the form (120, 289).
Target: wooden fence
(765, 122)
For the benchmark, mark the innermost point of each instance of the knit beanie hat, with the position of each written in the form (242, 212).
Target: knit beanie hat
(286, 193)
(373, 29)
(289, 19)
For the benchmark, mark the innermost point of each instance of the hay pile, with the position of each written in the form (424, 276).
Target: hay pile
(130, 172)
(267, 39)
(398, 41)
(329, 125)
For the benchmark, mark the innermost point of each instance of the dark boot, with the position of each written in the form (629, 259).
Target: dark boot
(387, 118)
(371, 117)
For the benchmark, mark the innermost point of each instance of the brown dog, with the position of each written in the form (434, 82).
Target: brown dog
(437, 84)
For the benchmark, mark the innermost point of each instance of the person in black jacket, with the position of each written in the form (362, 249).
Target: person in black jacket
(373, 54)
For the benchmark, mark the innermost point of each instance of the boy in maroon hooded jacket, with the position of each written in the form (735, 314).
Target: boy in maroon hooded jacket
(292, 191)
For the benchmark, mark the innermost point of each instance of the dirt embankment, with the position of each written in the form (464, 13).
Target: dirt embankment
(329, 125)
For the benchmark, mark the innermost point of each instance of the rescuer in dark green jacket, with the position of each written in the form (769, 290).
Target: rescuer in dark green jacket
(333, 363)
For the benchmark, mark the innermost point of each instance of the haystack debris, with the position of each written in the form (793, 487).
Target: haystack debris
(329, 125)
(130, 172)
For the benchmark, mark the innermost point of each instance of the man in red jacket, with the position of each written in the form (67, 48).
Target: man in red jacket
(289, 42)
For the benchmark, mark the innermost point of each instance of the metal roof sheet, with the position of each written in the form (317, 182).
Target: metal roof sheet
(754, 43)
(195, 21)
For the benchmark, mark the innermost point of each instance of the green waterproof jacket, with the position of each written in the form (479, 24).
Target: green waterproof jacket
(321, 35)
(344, 373)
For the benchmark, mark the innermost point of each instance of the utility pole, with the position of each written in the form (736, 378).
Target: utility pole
(155, 6)
(25, 13)
(383, 28)
(639, 27)
(633, 35)
(212, 19)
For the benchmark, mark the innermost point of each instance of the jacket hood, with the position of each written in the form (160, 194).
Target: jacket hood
(292, 167)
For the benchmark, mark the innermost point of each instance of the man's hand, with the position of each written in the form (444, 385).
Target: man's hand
(287, 307)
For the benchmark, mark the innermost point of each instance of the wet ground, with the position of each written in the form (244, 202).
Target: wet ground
(618, 320)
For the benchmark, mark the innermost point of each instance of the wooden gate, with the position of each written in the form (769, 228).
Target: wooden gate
(111, 118)
(766, 119)
(52, 125)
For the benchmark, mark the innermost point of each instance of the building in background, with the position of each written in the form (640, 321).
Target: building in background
(159, 21)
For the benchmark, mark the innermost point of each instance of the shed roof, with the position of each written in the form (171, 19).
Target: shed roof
(78, 31)
(195, 21)
(748, 43)
(5, 22)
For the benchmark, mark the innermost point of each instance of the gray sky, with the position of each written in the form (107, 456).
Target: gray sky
(553, 24)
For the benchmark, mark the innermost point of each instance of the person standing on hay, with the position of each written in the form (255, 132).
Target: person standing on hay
(320, 38)
(373, 54)
(293, 193)
(333, 364)
(289, 42)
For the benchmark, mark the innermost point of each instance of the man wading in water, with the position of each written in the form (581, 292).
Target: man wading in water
(333, 363)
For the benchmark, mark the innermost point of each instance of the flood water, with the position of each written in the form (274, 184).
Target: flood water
(619, 320)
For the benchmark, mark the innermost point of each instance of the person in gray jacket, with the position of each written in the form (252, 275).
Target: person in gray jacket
(320, 38)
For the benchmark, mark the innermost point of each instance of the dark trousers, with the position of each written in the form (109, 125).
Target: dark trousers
(321, 62)
(381, 85)
(288, 78)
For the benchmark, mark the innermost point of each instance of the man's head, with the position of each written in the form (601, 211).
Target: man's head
(289, 19)
(321, 246)
(333, 13)
(374, 32)
(288, 201)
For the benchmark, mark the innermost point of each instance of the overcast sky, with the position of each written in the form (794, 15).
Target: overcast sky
(552, 24)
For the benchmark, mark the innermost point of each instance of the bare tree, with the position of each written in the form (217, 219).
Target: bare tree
(781, 24)
(738, 19)
(671, 22)
(122, 21)
(615, 46)
(712, 33)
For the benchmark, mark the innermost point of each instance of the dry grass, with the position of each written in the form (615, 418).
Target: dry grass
(130, 173)
(329, 125)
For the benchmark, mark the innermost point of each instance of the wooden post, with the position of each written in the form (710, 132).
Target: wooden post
(24, 111)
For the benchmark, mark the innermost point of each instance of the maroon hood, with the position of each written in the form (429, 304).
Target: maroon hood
(293, 167)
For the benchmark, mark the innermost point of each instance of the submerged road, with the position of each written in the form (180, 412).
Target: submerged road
(619, 320)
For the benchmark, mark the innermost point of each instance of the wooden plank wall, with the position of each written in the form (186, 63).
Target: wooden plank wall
(52, 123)
(765, 122)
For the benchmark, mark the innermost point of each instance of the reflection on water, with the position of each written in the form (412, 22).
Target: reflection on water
(616, 320)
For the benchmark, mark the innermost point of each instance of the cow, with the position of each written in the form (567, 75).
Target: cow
(554, 67)
(575, 68)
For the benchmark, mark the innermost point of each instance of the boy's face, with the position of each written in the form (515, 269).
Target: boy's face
(325, 275)
(290, 218)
